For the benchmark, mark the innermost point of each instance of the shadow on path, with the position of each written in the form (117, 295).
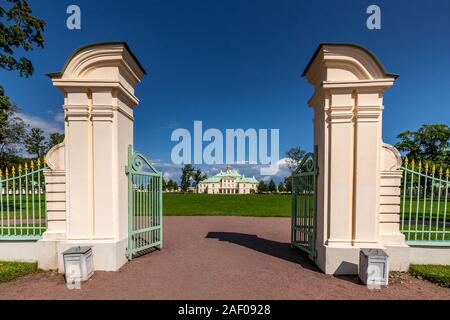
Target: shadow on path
(273, 248)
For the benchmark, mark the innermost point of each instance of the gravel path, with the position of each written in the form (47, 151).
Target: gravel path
(220, 258)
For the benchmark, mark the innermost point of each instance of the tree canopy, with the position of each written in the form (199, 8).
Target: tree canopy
(186, 177)
(190, 176)
(12, 129)
(198, 176)
(288, 183)
(55, 139)
(35, 143)
(262, 187)
(431, 142)
(171, 185)
(281, 187)
(294, 156)
(272, 186)
(19, 31)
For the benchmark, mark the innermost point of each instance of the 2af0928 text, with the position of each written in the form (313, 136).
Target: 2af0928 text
(225, 310)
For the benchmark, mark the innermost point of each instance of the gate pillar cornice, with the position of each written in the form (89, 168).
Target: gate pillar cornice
(98, 83)
(349, 84)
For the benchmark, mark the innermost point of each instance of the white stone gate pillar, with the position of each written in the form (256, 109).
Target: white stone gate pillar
(98, 85)
(349, 85)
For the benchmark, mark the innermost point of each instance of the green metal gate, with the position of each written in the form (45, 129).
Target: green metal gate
(304, 204)
(23, 213)
(145, 212)
(425, 208)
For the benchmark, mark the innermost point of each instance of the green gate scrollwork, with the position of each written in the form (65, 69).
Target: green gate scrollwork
(145, 212)
(304, 205)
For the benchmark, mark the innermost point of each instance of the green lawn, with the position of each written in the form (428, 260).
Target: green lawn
(439, 275)
(12, 201)
(254, 205)
(428, 213)
(19, 207)
(423, 208)
(275, 205)
(29, 215)
(12, 270)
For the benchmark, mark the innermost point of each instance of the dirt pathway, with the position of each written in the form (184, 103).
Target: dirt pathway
(220, 258)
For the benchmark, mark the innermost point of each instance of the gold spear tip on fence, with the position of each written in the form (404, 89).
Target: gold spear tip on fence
(6, 172)
(420, 165)
(13, 170)
(25, 167)
(1, 173)
(426, 167)
(447, 173)
(406, 162)
(441, 171)
(412, 163)
(44, 160)
(32, 164)
(38, 163)
(20, 168)
(433, 169)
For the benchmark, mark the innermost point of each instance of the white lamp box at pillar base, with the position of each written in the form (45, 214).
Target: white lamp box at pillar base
(78, 264)
(374, 267)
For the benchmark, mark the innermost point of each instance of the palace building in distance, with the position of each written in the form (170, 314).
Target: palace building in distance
(228, 182)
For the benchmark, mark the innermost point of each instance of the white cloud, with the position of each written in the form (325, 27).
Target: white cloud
(56, 124)
(169, 170)
(59, 117)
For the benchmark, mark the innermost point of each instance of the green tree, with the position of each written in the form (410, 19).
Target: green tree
(262, 187)
(431, 142)
(12, 129)
(55, 139)
(35, 143)
(294, 156)
(175, 186)
(288, 183)
(164, 184)
(197, 176)
(21, 31)
(272, 187)
(170, 185)
(186, 177)
(281, 187)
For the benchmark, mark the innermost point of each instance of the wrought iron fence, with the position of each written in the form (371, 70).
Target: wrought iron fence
(23, 213)
(424, 205)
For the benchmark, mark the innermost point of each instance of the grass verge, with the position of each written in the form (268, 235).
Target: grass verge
(12, 270)
(253, 205)
(437, 274)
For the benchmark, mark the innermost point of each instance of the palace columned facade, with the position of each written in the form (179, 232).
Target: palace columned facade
(228, 182)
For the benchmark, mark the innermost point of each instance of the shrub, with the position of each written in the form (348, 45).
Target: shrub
(437, 274)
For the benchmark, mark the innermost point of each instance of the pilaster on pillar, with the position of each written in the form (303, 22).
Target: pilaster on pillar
(339, 156)
(367, 150)
(349, 85)
(98, 85)
(78, 163)
(105, 197)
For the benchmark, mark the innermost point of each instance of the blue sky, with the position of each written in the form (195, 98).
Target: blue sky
(237, 64)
